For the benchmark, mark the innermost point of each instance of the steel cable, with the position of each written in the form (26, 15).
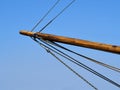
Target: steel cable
(57, 15)
(68, 57)
(72, 70)
(87, 58)
(80, 64)
(45, 15)
(48, 49)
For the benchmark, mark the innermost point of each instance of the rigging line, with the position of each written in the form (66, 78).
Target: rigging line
(49, 51)
(88, 58)
(45, 15)
(72, 70)
(81, 64)
(57, 15)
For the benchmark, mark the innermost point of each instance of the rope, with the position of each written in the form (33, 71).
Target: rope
(72, 70)
(87, 58)
(57, 15)
(45, 15)
(49, 51)
(80, 64)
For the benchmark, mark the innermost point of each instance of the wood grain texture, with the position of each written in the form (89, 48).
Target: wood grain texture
(74, 41)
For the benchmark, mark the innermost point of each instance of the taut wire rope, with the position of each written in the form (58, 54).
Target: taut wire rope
(79, 63)
(57, 15)
(49, 50)
(86, 57)
(50, 47)
(72, 70)
(45, 15)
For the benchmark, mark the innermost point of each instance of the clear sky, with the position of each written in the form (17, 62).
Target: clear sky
(24, 65)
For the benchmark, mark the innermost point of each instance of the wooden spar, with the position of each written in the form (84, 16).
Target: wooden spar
(76, 42)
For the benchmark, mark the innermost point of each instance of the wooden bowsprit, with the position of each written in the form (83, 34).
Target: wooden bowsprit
(72, 41)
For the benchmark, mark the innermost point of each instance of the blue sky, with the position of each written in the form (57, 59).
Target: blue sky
(24, 65)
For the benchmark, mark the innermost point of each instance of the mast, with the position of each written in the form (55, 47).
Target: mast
(73, 41)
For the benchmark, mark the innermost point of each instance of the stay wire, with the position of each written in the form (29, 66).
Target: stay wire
(57, 15)
(45, 15)
(48, 49)
(72, 70)
(81, 64)
(87, 58)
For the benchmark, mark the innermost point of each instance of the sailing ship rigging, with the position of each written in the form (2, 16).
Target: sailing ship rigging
(51, 44)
